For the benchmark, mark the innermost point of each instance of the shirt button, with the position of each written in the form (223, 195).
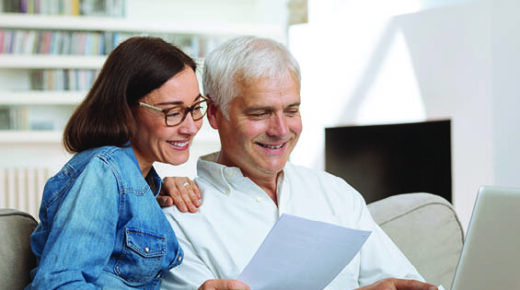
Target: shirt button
(258, 199)
(228, 191)
(179, 258)
(230, 173)
(146, 250)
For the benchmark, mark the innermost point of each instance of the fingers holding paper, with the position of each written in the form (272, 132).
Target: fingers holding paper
(224, 285)
(399, 284)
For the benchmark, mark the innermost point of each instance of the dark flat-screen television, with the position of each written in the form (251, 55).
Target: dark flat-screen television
(384, 160)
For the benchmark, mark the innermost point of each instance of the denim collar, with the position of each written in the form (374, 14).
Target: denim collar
(153, 179)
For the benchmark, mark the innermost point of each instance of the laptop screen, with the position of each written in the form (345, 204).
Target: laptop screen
(490, 257)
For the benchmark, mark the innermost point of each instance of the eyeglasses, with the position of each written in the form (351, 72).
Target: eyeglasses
(175, 115)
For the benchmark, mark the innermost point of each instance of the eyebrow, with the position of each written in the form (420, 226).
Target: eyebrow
(269, 107)
(260, 108)
(178, 102)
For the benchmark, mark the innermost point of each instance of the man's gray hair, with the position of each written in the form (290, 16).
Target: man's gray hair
(243, 60)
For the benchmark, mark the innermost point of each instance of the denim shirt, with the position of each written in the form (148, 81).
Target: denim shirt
(101, 227)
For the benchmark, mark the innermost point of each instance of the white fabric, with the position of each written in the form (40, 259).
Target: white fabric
(236, 215)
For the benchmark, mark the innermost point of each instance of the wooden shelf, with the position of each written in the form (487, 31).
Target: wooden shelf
(30, 61)
(41, 97)
(89, 23)
(8, 136)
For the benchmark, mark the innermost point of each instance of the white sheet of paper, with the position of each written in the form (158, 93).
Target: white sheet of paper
(302, 254)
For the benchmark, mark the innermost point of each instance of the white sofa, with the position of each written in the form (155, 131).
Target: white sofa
(423, 225)
(427, 230)
(16, 259)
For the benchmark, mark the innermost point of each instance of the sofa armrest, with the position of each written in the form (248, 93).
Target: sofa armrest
(426, 229)
(17, 259)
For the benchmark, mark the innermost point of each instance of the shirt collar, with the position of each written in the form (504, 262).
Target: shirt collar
(224, 177)
(127, 149)
(153, 179)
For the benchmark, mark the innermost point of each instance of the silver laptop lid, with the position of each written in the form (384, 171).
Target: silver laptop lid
(490, 257)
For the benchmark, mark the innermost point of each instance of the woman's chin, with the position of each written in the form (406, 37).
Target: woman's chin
(178, 159)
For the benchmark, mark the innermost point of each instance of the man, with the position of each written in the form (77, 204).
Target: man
(255, 88)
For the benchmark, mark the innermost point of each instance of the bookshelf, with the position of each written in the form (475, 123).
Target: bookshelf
(20, 65)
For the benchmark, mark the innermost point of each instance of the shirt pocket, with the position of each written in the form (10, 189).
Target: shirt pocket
(142, 255)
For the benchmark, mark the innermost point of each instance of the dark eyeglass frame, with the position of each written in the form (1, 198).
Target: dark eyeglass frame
(185, 110)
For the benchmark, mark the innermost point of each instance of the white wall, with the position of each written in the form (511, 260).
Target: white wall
(505, 43)
(376, 62)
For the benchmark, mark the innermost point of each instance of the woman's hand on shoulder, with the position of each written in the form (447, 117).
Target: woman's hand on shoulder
(181, 192)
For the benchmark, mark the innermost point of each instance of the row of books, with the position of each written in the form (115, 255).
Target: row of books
(53, 42)
(112, 8)
(19, 41)
(16, 118)
(34, 118)
(63, 79)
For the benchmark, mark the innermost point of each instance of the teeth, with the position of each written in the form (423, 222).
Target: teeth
(273, 146)
(178, 144)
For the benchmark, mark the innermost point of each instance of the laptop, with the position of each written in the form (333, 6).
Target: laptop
(490, 258)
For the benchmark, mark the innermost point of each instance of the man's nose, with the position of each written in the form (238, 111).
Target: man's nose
(278, 125)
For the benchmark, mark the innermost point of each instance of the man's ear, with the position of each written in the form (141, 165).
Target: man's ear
(212, 115)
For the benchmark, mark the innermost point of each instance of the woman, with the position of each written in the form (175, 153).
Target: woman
(100, 225)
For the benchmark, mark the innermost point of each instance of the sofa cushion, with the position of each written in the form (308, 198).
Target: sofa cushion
(17, 259)
(426, 229)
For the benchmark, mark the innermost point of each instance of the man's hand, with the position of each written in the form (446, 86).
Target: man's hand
(182, 192)
(224, 285)
(399, 284)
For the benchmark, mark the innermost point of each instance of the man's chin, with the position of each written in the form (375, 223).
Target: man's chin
(273, 169)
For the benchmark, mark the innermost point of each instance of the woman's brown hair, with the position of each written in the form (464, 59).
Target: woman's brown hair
(136, 67)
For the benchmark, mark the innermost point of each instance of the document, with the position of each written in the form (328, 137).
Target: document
(302, 254)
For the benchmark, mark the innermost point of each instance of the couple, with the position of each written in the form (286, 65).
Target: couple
(99, 222)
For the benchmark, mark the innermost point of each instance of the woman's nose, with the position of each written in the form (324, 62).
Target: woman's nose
(188, 126)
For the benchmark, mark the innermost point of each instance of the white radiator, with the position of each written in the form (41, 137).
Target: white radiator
(22, 188)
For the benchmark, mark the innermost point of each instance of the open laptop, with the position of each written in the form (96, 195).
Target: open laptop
(490, 257)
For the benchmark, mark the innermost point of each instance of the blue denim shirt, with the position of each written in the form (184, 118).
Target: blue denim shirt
(101, 227)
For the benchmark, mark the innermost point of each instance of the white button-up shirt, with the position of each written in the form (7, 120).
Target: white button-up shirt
(236, 215)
